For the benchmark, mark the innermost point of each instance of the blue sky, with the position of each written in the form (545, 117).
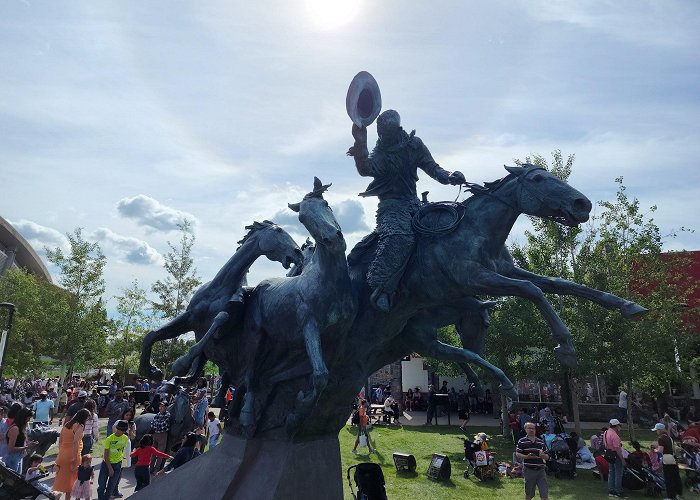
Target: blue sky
(123, 117)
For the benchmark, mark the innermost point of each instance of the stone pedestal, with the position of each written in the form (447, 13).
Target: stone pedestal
(257, 470)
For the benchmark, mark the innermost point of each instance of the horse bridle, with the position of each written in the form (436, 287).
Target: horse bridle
(546, 202)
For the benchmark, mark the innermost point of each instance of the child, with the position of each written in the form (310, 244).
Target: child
(112, 460)
(34, 472)
(81, 488)
(213, 429)
(143, 455)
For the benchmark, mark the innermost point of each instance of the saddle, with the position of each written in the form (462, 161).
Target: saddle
(432, 220)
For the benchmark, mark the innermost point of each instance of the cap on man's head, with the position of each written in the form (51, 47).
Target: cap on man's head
(43, 393)
(122, 425)
(614, 422)
(82, 394)
(659, 427)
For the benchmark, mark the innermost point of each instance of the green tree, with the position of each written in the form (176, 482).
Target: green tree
(80, 342)
(128, 328)
(174, 293)
(39, 305)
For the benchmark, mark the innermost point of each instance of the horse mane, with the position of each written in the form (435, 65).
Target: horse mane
(490, 187)
(254, 227)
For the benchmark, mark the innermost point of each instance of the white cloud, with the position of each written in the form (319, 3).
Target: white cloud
(130, 249)
(40, 236)
(149, 212)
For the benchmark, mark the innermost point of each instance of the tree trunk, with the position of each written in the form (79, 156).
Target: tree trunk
(573, 389)
(630, 423)
(505, 428)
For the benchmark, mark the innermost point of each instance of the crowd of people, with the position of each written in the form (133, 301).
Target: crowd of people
(77, 407)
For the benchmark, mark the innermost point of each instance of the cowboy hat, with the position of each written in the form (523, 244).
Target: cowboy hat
(364, 101)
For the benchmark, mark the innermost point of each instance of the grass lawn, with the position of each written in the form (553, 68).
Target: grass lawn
(422, 442)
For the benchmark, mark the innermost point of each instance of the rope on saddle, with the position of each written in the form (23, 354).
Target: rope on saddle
(455, 210)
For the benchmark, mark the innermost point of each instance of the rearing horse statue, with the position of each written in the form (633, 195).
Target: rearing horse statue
(469, 260)
(224, 292)
(310, 313)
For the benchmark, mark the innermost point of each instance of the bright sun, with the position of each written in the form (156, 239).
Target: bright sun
(331, 14)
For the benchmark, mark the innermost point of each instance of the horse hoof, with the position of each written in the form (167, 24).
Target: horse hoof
(566, 355)
(631, 310)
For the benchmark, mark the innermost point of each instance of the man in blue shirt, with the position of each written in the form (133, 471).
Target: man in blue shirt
(43, 410)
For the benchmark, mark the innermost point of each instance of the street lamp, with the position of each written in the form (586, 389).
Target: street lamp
(5, 332)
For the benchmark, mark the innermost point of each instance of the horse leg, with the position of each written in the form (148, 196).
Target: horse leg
(471, 328)
(196, 371)
(312, 341)
(173, 328)
(560, 286)
(438, 350)
(182, 365)
(489, 282)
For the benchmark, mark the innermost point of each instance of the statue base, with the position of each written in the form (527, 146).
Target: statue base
(256, 469)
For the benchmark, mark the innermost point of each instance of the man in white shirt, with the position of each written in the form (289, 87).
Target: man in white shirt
(213, 429)
(622, 405)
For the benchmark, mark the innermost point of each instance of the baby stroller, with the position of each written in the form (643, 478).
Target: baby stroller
(642, 478)
(13, 486)
(479, 463)
(692, 473)
(562, 457)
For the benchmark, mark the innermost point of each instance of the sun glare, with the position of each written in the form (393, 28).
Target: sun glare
(331, 14)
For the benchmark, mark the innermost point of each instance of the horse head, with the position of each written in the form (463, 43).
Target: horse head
(541, 194)
(319, 220)
(273, 242)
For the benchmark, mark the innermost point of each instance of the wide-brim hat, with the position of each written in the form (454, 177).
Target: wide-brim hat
(364, 101)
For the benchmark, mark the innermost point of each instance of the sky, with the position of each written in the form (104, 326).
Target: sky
(124, 117)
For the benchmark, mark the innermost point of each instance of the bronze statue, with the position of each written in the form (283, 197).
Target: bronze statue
(394, 164)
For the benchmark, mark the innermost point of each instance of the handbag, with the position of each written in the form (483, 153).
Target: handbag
(363, 439)
(609, 455)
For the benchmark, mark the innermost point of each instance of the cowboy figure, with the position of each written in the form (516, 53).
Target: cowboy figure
(394, 164)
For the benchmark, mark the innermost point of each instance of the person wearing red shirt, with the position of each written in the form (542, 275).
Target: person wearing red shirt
(143, 455)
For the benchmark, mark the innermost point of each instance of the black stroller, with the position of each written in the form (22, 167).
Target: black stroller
(479, 463)
(13, 486)
(562, 457)
(692, 469)
(642, 478)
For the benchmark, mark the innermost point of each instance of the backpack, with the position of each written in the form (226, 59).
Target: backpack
(355, 417)
(369, 480)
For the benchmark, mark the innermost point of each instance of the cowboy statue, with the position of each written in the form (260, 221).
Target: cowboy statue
(394, 164)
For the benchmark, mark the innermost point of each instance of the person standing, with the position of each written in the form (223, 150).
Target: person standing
(73, 408)
(17, 443)
(70, 446)
(43, 410)
(532, 451)
(213, 430)
(672, 477)
(160, 426)
(115, 409)
(143, 455)
(91, 433)
(112, 463)
(613, 454)
(362, 427)
(200, 402)
(430, 414)
(622, 405)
